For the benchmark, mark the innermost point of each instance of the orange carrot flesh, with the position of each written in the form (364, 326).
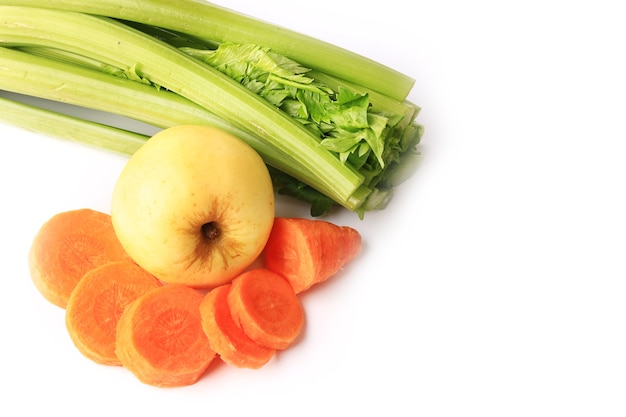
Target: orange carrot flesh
(226, 337)
(67, 246)
(160, 337)
(266, 307)
(307, 252)
(97, 302)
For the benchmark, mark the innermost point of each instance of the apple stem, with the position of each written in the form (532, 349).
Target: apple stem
(210, 230)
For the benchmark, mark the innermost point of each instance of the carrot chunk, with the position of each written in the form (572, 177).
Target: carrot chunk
(266, 307)
(308, 252)
(67, 246)
(97, 302)
(226, 337)
(160, 337)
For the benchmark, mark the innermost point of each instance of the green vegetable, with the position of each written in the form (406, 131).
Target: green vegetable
(327, 140)
(215, 24)
(70, 128)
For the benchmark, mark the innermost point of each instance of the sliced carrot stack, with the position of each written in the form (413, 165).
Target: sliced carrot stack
(226, 337)
(266, 307)
(97, 302)
(69, 245)
(160, 337)
(308, 252)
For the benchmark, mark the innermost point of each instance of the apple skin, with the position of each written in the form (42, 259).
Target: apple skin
(194, 206)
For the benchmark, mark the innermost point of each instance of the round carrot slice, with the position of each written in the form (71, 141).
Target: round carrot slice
(266, 307)
(160, 337)
(69, 245)
(97, 302)
(226, 337)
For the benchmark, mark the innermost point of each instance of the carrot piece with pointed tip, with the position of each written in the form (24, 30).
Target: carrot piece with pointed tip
(97, 302)
(67, 246)
(266, 307)
(226, 337)
(160, 337)
(308, 252)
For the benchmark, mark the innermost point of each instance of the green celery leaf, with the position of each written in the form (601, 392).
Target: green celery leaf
(316, 105)
(295, 108)
(349, 111)
(346, 143)
(374, 135)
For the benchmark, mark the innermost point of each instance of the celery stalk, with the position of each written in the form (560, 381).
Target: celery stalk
(217, 24)
(69, 128)
(111, 42)
(50, 79)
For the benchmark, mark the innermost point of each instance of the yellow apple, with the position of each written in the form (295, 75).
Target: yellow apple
(194, 206)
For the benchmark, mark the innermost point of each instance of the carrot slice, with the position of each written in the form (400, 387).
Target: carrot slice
(160, 337)
(266, 307)
(67, 246)
(97, 302)
(225, 335)
(308, 252)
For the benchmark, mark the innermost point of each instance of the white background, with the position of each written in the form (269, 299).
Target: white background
(493, 285)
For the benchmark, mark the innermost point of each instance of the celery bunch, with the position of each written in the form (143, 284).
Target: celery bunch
(332, 126)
